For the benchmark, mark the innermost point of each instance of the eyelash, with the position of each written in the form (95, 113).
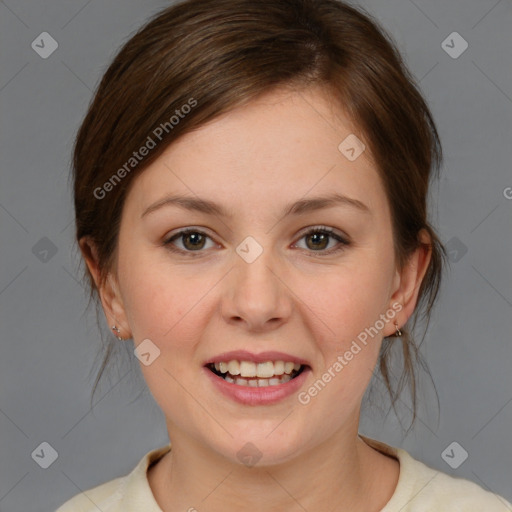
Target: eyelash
(343, 243)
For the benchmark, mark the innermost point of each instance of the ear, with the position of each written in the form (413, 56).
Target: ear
(407, 283)
(108, 291)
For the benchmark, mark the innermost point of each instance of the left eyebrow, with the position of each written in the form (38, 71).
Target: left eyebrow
(317, 203)
(297, 208)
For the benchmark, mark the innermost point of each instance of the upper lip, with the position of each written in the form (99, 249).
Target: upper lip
(262, 357)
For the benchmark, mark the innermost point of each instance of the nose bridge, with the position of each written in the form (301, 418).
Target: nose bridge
(256, 295)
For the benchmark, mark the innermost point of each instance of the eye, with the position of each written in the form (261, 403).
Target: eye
(318, 238)
(192, 240)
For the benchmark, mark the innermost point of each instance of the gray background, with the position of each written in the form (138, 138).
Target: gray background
(48, 343)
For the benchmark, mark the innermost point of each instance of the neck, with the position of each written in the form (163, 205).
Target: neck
(343, 474)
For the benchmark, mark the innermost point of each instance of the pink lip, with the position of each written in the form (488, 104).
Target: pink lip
(243, 355)
(258, 396)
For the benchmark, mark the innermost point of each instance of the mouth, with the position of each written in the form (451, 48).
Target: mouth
(260, 379)
(256, 374)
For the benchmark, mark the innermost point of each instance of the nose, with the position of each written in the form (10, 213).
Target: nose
(256, 295)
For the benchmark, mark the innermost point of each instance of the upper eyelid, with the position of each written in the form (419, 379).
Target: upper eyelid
(184, 231)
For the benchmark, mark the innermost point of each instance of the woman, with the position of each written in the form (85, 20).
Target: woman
(250, 193)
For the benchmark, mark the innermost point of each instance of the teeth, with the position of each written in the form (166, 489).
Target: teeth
(247, 369)
(279, 368)
(261, 370)
(257, 382)
(234, 367)
(265, 370)
(248, 373)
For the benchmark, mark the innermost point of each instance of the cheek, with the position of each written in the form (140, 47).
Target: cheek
(165, 307)
(352, 299)
(154, 296)
(165, 303)
(348, 305)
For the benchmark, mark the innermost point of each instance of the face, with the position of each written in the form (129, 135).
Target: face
(251, 277)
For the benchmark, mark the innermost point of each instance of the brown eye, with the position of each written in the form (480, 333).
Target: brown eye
(191, 240)
(318, 239)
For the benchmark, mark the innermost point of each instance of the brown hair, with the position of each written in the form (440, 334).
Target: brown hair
(224, 53)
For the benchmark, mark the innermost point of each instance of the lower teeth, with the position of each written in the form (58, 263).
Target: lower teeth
(258, 383)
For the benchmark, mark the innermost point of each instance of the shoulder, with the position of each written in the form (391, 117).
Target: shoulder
(421, 488)
(435, 490)
(124, 494)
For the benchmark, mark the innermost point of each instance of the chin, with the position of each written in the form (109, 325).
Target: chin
(258, 448)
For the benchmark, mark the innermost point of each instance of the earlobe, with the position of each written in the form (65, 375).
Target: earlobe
(108, 290)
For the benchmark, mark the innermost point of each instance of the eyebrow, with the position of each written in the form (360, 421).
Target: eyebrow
(297, 208)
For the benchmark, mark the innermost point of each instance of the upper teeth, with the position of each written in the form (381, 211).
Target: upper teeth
(251, 369)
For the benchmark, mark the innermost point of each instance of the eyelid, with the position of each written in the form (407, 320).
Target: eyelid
(188, 229)
(321, 227)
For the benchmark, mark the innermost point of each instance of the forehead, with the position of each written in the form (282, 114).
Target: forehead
(280, 147)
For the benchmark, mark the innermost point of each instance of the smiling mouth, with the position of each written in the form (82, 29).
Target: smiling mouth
(262, 375)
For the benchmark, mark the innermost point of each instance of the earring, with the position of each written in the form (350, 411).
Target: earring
(398, 332)
(117, 331)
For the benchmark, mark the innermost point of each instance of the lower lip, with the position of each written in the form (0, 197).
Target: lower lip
(258, 396)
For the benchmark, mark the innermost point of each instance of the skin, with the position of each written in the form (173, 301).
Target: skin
(253, 161)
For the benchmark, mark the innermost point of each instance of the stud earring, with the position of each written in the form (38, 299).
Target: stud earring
(117, 331)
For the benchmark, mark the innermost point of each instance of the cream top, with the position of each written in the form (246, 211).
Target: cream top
(419, 489)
